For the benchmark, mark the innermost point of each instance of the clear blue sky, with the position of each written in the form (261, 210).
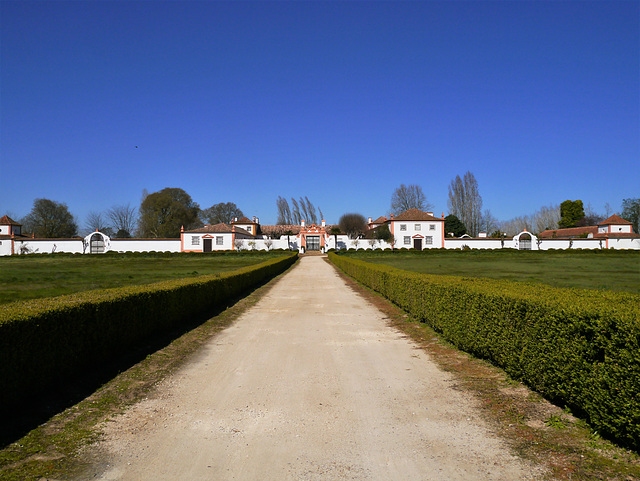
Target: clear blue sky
(338, 101)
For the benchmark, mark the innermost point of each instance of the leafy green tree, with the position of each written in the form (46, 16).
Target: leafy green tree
(631, 212)
(163, 213)
(223, 212)
(571, 212)
(455, 225)
(49, 218)
(383, 233)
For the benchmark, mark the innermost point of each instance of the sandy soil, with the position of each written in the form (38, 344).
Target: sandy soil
(309, 384)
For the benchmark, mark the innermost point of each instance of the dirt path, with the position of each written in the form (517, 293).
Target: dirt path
(309, 384)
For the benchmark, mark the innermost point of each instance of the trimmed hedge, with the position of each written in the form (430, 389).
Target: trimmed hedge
(578, 347)
(47, 341)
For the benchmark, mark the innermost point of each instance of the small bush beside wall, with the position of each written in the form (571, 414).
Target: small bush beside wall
(578, 347)
(46, 341)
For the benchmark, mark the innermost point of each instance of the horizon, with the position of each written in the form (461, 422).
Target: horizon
(340, 102)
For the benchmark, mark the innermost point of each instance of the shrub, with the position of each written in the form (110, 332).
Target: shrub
(578, 347)
(46, 341)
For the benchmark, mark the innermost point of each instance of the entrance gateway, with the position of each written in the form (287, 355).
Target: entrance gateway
(313, 242)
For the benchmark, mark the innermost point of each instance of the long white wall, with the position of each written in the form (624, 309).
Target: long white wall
(79, 246)
(48, 246)
(145, 245)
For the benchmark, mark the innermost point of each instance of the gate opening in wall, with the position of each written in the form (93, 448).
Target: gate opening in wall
(313, 242)
(96, 244)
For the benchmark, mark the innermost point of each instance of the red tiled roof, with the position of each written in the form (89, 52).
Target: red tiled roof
(6, 220)
(615, 219)
(617, 235)
(280, 229)
(221, 228)
(243, 220)
(380, 220)
(416, 214)
(570, 232)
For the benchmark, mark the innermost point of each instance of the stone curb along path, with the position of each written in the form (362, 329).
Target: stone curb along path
(309, 384)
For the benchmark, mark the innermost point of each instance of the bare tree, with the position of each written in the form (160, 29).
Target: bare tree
(123, 219)
(284, 212)
(311, 210)
(608, 210)
(95, 221)
(302, 209)
(304, 213)
(408, 197)
(516, 225)
(547, 217)
(465, 202)
(489, 222)
(268, 243)
(296, 216)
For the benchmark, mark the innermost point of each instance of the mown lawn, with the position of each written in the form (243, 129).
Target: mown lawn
(35, 276)
(613, 270)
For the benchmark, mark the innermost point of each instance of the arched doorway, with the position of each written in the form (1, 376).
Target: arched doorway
(525, 241)
(97, 243)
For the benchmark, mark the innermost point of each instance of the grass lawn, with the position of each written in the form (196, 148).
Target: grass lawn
(35, 276)
(613, 270)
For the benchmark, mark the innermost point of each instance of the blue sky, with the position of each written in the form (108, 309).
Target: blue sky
(338, 101)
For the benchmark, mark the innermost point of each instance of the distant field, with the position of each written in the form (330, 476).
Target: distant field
(613, 270)
(35, 276)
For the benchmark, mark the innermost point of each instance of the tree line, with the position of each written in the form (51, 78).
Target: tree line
(163, 213)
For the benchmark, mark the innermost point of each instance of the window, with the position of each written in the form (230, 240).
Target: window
(417, 227)
(195, 240)
(432, 227)
(403, 226)
(407, 240)
(428, 240)
(219, 240)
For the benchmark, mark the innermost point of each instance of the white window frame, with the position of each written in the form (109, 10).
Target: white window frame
(407, 240)
(195, 240)
(219, 240)
(428, 240)
(403, 227)
(417, 227)
(432, 227)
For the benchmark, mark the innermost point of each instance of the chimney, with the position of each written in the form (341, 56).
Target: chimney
(254, 218)
(370, 220)
(482, 234)
(302, 222)
(429, 213)
(323, 223)
(257, 220)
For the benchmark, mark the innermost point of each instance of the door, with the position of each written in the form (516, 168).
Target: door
(417, 244)
(206, 245)
(313, 242)
(97, 244)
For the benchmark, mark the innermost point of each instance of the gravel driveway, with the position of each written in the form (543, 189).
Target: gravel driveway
(309, 384)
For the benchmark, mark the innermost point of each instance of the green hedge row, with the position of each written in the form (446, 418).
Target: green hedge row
(578, 347)
(46, 341)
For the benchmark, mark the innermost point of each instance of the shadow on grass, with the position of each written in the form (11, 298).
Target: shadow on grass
(19, 419)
